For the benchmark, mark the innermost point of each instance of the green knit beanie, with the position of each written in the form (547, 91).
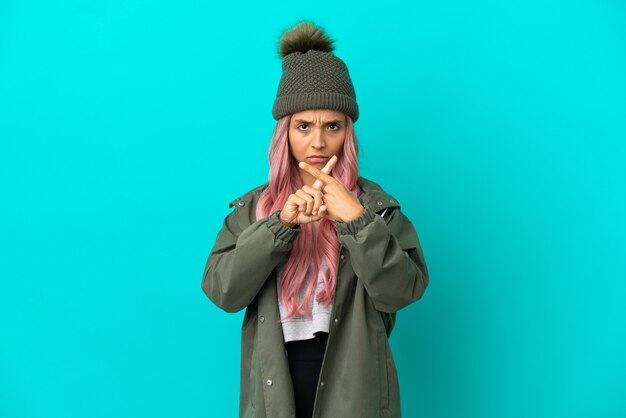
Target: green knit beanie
(313, 77)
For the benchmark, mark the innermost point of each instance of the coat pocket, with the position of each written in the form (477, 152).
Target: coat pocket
(252, 385)
(383, 376)
(249, 360)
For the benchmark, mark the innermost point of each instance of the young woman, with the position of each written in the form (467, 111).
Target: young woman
(321, 258)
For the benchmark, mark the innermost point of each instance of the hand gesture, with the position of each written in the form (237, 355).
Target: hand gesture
(340, 203)
(306, 204)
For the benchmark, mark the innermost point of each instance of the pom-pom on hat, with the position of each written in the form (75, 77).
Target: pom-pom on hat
(313, 77)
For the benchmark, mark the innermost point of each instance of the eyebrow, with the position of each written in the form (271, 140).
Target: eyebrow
(335, 121)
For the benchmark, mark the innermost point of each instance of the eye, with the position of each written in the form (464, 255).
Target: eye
(335, 125)
(302, 124)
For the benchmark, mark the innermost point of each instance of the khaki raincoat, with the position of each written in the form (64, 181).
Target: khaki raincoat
(381, 270)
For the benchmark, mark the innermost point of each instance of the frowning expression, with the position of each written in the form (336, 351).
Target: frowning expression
(316, 135)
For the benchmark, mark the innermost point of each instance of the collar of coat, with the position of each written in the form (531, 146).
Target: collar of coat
(372, 195)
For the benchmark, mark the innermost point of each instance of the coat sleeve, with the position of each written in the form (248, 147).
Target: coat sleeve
(242, 260)
(386, 257)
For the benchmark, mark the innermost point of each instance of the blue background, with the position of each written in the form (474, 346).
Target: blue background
(126, 127)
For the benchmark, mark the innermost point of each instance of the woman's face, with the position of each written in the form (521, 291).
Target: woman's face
(315, 136)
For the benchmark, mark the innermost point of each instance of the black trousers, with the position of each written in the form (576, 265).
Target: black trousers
(305, 362)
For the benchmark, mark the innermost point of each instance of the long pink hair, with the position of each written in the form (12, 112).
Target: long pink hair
(316, 240)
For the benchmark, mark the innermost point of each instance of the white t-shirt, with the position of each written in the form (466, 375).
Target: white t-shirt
(300, 327)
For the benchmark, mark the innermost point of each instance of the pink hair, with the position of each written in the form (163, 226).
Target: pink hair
(316, 240)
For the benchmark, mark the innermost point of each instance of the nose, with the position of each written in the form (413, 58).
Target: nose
(318, 141)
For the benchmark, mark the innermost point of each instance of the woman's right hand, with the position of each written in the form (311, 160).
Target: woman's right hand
(302, 207)
(306, 204)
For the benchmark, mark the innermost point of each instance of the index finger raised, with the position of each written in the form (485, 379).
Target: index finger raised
(323, 175)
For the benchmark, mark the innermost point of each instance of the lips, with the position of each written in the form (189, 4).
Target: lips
(317, 158)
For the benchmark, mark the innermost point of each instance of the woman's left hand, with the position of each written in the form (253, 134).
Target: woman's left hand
(340, 203)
